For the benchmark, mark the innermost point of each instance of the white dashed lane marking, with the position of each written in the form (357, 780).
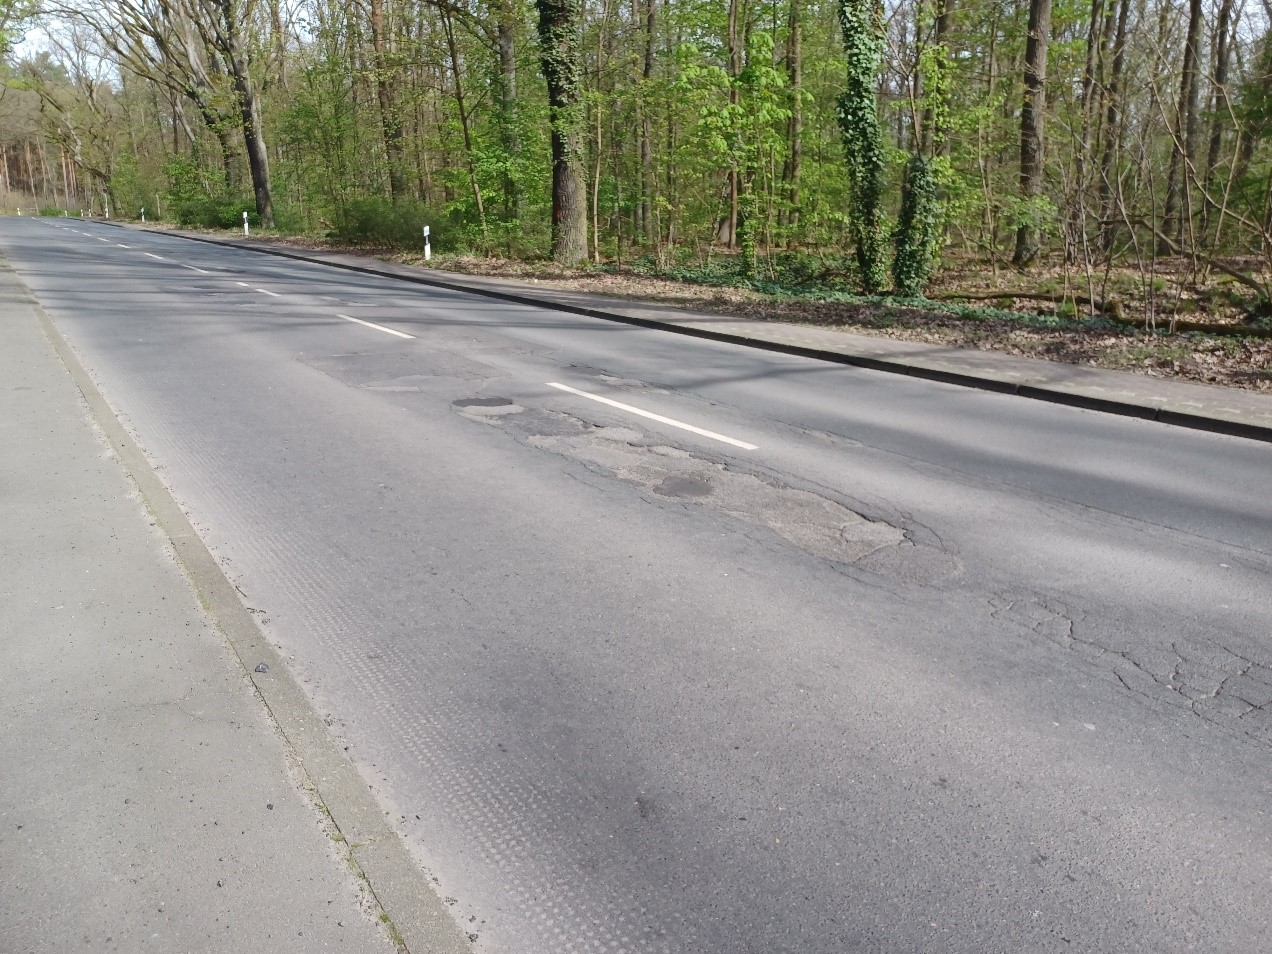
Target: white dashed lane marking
(372, 324)
(655, 417)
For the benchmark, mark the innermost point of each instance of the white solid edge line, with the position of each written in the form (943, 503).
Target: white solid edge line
(655, 417)
(372, 324)
(153, 255)
(266, 291)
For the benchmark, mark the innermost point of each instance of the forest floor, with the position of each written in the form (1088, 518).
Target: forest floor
(1012, 323)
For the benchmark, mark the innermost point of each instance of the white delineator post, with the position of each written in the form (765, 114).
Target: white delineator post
(143, 216)
(245, 230)
(428, 248)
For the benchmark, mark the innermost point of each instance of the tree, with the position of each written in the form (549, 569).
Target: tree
(862, 24)
(1032, 128)
(560, 39)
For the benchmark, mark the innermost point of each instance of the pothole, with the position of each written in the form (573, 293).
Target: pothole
(488, 406)
(482, 402)
(812, 522)
(683, 487)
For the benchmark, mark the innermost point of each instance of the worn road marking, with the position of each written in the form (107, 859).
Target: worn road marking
(372, 324)
(153, 255)
(194, 268)
(266, 291)
(655, 417)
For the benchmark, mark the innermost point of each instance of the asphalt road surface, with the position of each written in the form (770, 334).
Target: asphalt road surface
(858, 663)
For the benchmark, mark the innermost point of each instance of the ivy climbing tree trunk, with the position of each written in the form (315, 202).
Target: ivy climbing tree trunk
(862, 25)
(1032, 128)
(560, 39)
(793, 165)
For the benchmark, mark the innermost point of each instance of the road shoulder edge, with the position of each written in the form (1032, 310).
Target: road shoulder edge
(414, 914)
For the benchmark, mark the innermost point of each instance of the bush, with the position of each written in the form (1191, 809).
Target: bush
(51, 210)
(377, 221)
(194, 205)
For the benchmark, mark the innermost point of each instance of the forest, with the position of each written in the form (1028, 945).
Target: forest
(1101, 158)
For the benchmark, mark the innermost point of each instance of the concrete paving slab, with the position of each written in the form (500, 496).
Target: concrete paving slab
(146, 802)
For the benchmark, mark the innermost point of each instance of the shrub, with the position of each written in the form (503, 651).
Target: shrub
(377, 221)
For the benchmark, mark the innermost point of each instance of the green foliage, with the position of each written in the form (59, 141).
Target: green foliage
(918, 232)
(377, 221)
(861, 22)
(50, 210)
(195, 204)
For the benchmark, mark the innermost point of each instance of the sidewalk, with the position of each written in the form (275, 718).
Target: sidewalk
(1198, 406)
(146, 801)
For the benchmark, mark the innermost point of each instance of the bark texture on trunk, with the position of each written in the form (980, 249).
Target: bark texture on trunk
(231, 46)
(1032, 124)
(1186, 132)
(390, 125)
(560, 38)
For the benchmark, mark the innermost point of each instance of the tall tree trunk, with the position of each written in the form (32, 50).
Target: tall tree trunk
(793, 165)
(935, 138)
(560, 38)
(509, 135)
(1220, 117)
(390, 124)
(249, 108)
(728, 232)
(1112, 131)
(1186, 132)
(647, 181)
(449, 28)
(1032, 126)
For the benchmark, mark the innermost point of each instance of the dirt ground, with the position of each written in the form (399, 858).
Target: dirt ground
(1227, 360)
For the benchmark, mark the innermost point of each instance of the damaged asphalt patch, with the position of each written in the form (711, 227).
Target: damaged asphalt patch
(813, 523)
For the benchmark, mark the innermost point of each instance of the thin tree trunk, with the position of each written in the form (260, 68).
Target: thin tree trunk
(464, 125)
(1032, 127)
(508, 132)
(793, 165)
(729, 234)
(1220, 115)
(647, 181)
(1186, 131)
(936, 140)
(1112, 144)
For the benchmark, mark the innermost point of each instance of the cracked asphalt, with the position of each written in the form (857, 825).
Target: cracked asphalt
(928, 669)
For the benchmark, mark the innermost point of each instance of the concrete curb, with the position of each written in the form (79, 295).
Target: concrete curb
(418, 920)
(1034, 392)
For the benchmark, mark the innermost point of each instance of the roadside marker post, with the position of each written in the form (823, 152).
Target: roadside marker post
(428, 248)
(245, 230)
(143, 215)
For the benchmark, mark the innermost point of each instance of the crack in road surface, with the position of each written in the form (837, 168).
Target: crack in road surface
(1213, 682)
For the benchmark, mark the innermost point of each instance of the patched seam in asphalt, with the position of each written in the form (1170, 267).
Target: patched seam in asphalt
(420, 921)
(1198, 422)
